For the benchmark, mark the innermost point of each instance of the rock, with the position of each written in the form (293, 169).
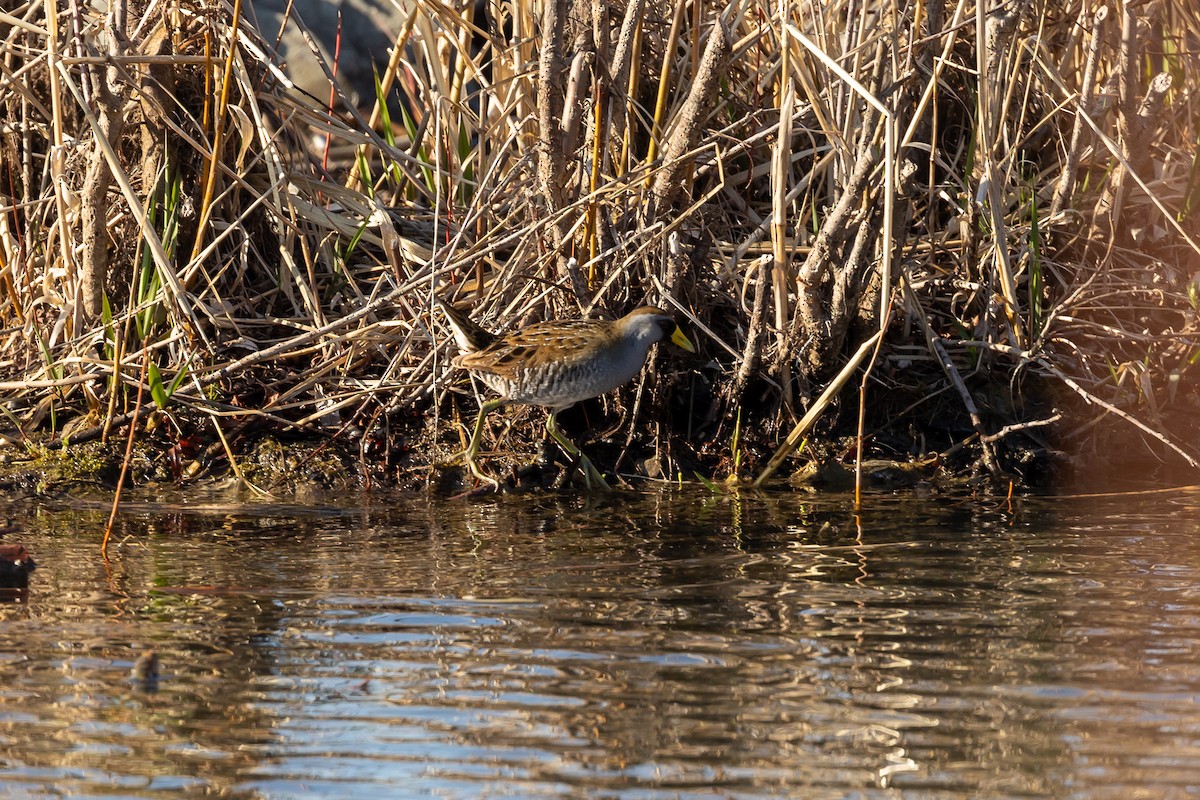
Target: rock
(15, 565)
(368, 30)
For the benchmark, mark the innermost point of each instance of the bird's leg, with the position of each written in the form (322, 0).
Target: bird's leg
(476, 435)
(590, 473)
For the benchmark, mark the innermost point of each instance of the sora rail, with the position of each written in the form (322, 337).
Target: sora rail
(557, 363)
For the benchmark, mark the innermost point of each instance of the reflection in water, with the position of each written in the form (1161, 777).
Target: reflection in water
(665, 644)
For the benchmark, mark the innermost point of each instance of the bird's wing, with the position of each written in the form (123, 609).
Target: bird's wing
(540, 344)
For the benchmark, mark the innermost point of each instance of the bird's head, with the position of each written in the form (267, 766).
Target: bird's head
(650, 324)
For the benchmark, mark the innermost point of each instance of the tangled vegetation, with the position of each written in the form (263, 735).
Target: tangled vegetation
(976, 223)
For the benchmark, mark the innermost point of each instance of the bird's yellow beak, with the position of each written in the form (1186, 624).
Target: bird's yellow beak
(680, 340)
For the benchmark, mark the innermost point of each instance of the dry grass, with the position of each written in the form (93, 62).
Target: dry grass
(1009, 195)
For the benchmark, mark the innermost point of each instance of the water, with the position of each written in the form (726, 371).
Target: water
(655, 645)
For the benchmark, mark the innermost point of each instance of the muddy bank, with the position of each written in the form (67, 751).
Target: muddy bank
(422, 452)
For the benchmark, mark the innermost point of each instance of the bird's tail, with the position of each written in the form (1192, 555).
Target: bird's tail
(469, 336)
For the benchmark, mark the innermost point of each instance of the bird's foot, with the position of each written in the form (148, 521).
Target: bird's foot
(480, 474)
(591, 475)
(467, 459)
